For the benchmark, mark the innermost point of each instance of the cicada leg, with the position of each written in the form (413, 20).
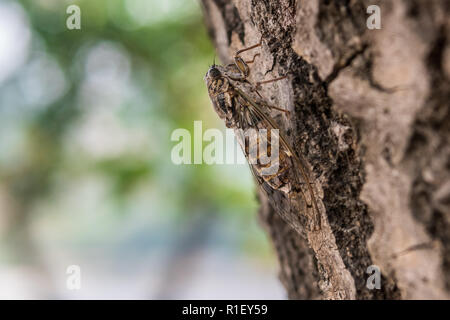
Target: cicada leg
(276, 108)
(258, 87)
(242, 65)
(259, 83)
(253, 59)
(244, 71)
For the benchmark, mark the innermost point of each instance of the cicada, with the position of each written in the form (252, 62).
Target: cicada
(237, 101)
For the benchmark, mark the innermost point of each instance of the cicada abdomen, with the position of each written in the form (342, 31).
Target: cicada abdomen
(269, 161)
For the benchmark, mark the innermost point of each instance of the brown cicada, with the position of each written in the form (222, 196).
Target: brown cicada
(239, 104)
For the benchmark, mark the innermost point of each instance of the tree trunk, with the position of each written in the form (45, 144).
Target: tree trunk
(369, 111)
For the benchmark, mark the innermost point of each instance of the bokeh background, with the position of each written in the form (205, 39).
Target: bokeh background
(86, 176)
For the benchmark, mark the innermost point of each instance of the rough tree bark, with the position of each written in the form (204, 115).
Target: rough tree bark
(370, 114)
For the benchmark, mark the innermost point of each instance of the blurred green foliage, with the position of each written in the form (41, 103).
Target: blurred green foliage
(86, 157)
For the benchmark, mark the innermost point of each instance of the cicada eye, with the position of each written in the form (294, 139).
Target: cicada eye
(214, 73)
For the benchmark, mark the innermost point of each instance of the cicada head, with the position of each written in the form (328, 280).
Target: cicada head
(216, 80)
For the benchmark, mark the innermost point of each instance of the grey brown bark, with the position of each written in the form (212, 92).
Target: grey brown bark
(369, 111)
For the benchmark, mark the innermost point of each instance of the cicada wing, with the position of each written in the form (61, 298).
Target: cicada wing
(303, 188)
(287, 207)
